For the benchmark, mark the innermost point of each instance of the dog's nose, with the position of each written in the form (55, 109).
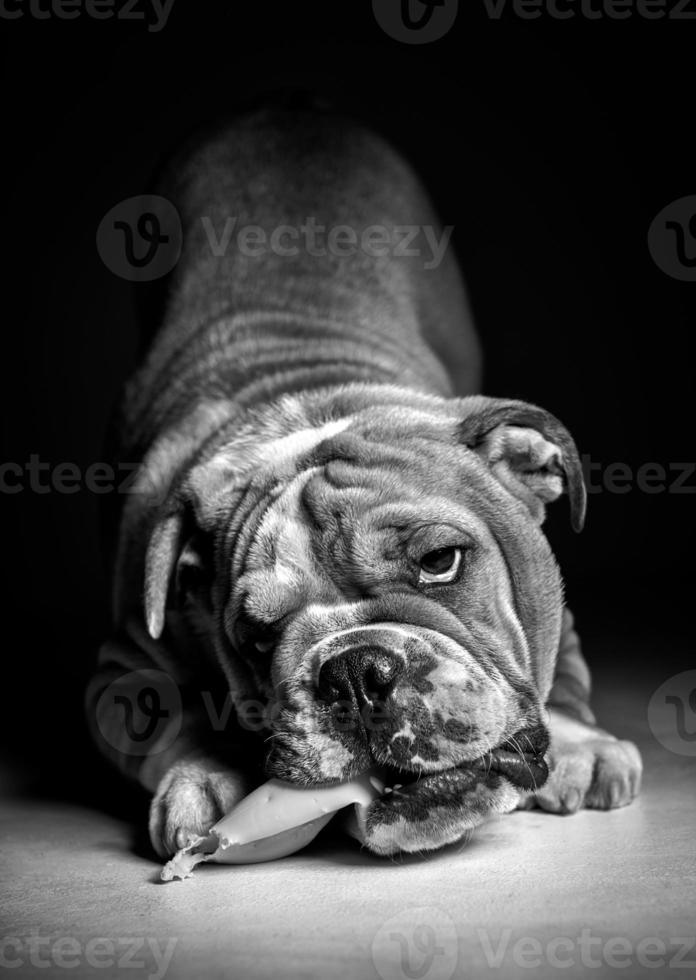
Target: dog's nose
(365, 674)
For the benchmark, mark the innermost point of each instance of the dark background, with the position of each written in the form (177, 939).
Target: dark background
(549, 145)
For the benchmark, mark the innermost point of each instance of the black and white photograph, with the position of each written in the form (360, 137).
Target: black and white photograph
(348, 485)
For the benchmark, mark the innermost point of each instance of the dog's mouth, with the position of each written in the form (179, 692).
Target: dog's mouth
(415, 811)
(520, 759)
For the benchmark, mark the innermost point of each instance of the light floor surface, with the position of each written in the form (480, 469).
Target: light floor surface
(533, 895)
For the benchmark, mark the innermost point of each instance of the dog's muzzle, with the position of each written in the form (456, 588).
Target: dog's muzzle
(359, 669)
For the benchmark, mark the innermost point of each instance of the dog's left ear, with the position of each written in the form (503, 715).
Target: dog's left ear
(529, 451)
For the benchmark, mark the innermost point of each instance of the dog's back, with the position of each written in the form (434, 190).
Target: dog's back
(311, 256)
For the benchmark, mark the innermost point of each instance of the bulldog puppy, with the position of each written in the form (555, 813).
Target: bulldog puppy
(330, 530)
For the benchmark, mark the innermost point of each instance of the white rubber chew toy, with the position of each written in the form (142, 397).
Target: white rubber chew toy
(275, 820)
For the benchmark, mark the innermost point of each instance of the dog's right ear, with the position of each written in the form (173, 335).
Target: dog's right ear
(179, 555)
(178, 562)
(160, 560)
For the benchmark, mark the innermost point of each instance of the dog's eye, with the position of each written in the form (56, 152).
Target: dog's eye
(265, 643)
(441, 565)
(255, 637)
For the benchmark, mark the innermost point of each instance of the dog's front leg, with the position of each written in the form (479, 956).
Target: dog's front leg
(588, 766)
(155, 730)
(192, 795)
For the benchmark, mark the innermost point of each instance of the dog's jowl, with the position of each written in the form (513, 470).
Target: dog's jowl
(329, 523)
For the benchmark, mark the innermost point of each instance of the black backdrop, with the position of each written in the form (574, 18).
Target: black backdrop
(549, 144)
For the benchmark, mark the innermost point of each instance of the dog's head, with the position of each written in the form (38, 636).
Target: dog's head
(377, 576)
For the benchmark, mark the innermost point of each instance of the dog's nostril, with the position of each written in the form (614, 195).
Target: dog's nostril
(377, 683)
(334, 681)
(363, 674)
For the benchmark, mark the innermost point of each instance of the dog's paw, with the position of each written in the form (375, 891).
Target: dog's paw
(595, 771)
(192, 796)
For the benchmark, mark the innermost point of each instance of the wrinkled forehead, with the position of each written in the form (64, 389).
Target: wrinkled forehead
(345, 514)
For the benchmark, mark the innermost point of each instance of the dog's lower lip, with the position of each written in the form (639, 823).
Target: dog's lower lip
(524, 770)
